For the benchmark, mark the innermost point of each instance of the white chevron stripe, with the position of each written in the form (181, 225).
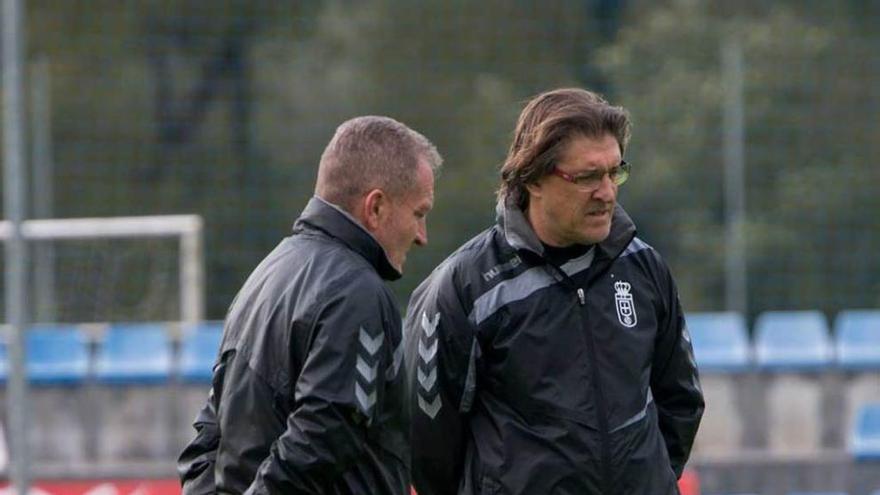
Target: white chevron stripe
(427, 381)
(430, 326)
(366, 401)
(367, 371)
(371, 345)
(427, 353)
(396, 361)
(430, 408)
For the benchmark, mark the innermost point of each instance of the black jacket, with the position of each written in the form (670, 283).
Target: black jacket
(528, 378)
(306, 394)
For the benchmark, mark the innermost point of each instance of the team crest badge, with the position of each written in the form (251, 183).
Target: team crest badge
(626, 310)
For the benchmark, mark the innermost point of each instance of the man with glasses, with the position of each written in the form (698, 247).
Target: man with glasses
(549, 354)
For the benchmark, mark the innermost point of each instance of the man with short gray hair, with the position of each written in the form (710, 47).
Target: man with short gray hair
(307, 389)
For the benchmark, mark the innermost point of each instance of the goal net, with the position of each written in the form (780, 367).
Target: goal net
(114, 269)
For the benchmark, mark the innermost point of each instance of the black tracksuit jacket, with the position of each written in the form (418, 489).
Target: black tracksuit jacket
(528, 378)
(307, 390)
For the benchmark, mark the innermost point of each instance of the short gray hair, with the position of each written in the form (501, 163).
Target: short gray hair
(372, 152)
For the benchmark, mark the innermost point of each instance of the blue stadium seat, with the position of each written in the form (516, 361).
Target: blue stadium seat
(865, 443)
(792, 341)
(720, 341)
(199, 351)
(134, 354)
(857, 339)
(56, 355)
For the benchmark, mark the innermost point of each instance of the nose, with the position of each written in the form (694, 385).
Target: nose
(607, 190)
(422, 234)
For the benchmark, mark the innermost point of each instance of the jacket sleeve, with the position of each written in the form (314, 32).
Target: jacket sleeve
(339, 392)
(674, 380)
(441, 355)
(196, 463)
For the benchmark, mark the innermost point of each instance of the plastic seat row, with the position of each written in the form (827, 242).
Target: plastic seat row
(797, 341)
(127, 354)
(784, 341)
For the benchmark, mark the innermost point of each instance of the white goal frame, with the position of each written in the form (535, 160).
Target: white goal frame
(187, 228)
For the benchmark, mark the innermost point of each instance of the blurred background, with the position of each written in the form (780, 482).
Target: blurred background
(755, 133)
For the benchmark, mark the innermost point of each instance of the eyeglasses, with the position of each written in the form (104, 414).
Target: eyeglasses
(592, 180)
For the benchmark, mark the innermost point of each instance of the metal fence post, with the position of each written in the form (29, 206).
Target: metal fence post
(14, 193)
(735, 279)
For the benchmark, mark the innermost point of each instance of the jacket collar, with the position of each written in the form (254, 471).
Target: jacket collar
(339, 224)
(520, 235)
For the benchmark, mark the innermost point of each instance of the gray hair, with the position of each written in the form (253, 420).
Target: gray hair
(372, 152)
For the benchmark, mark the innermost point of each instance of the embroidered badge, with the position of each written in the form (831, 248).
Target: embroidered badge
(626, 309)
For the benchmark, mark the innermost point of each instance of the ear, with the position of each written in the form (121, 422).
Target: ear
(534, 189)
(375, 203)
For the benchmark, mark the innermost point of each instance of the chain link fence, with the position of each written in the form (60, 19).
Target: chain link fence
(222, 109)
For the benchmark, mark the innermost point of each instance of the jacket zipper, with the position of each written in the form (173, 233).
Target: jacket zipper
(600, 396)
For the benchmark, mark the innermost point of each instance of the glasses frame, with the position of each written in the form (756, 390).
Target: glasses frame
(623, 165)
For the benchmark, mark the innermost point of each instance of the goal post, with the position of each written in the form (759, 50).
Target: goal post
(187, 228)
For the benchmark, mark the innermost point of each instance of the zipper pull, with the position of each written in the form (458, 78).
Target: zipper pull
(581, 296)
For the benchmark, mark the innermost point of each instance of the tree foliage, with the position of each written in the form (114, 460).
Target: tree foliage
(809, 105)
(223, 107)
